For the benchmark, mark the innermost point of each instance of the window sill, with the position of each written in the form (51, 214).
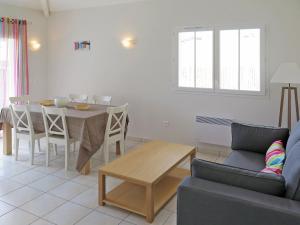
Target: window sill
(227, 93)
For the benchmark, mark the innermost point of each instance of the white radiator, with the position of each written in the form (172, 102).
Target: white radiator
(214, 121)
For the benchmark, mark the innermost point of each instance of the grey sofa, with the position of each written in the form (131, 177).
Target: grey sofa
(236, 193)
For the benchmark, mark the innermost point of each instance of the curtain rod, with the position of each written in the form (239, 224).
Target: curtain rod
(27, 21)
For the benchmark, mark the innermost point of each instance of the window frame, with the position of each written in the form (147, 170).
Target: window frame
(216, 60)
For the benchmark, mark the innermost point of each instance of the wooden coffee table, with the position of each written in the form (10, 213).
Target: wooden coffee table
(151, 177)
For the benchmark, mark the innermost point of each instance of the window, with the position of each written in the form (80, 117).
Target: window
(7, 87)
(221, 60)
(196, 59)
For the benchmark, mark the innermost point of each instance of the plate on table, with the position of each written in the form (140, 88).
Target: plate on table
(47, 102)
(81, 106)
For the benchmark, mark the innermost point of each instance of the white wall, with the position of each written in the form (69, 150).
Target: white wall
(143, 76)
(37, 29)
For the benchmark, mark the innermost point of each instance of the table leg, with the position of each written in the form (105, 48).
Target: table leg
(193, 155)
(149, 203)
(86, 169)
(118, 150)
(101, 180)
(7, 142)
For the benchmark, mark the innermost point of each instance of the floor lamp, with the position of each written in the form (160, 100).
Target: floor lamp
(288, 73)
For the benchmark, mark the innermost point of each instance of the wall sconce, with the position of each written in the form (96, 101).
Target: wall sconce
(35, 45)
(128, 42)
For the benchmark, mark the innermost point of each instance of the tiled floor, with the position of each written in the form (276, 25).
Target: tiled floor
(45, 196)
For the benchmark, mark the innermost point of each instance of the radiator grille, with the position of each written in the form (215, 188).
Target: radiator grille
(214, 120)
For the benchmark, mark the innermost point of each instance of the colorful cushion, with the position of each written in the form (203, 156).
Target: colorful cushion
(275, 158)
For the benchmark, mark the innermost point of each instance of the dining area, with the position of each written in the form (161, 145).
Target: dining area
(72, 123)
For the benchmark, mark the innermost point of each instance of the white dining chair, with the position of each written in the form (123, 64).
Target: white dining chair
(57, 131)
(23, 129)
(115, 129)
(25, 99)
(102, 100)
(79, 98)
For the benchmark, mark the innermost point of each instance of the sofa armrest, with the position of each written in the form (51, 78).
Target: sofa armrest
(256, 138)
(204, 202)
(261, 182)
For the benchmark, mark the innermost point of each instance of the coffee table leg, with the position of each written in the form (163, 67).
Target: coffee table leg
(149, 203)
(193, 155)
(102, 190)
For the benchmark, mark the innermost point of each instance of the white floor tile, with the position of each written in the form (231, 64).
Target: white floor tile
(47, 183)
(5, 163)
(88, 198)
(68, 190)
(28, 177)
(42, 222)
(46, 170)
(96, 218)
(67, 214)
(113, 211)
(172, 205)
(20, 196)
(5, 208)
(66, 174)
(7, 186)
(160, 219)
(126, 223)
(43, 205)
(89, 180)
(12, 170)
(172, 220)
(17, 217)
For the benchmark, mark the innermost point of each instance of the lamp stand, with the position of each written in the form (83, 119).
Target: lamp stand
(289, 90)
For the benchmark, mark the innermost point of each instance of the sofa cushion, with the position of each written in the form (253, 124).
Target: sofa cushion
(294, 138)
(261, 182)
(246, 160)
(291, 172)
(255, 138)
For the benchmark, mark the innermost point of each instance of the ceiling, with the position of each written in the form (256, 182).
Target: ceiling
(62, 5)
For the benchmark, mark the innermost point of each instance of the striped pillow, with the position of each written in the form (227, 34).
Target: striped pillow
(275, 158)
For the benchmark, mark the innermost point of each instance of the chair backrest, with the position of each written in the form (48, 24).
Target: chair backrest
(79, 98)
(55, 121)
(25, 99)
(116, 120)
(102, 100)
(21, 118)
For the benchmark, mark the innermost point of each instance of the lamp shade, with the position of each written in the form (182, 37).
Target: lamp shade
(287, 73)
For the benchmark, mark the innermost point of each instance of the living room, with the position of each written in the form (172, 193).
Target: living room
(185, 76)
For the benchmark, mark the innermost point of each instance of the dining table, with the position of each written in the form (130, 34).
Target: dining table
(86, 126)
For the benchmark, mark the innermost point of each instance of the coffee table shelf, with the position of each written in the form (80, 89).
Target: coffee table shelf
(151, 176)
(132, 197)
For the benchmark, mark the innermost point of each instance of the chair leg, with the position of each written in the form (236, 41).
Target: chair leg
(17, 142)
(39, 144)
(55, 149)
(106, 151)
(67, 152)
(47, 154)
(31, 147)
(122, 146)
